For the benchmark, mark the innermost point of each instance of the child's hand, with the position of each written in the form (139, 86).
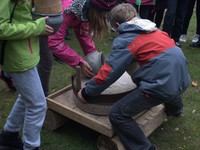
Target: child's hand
(86, 69)
(81, 97)
(49, 29)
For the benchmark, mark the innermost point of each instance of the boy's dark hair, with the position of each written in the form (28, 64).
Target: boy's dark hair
(121, 13)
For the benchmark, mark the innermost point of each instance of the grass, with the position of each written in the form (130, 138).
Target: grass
(175, 134)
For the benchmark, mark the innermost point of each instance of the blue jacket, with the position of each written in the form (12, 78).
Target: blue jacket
(163, 66)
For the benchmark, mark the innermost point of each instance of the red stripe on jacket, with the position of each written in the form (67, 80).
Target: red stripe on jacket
(29, 45)
(103, 74)
(147, 46)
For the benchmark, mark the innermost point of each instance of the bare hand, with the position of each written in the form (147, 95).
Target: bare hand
(81, 97)
(86, 69)
(49, 30)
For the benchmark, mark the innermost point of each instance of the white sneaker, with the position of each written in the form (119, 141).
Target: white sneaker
(183, 38)
(195, 38)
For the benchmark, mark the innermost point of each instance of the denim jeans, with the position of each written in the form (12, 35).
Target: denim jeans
(132, 104)
(29, 109)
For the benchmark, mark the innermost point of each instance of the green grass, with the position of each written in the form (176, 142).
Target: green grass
(175, 134)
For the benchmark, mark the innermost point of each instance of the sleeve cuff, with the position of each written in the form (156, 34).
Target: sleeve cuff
(85, 95)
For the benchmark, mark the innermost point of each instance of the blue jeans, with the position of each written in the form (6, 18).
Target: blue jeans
(29, 109)
(132, 104)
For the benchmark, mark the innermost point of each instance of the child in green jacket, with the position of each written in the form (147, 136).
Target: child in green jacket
(20, 59)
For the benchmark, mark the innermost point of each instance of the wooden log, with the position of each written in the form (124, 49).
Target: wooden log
(54, 120)
(107, 143)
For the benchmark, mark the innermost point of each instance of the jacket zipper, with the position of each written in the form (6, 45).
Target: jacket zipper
(29, 45)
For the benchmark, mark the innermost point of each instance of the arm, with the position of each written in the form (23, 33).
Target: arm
(62, 50)
(58, 46)
(116, 64)
(84, 37)
(19, 29)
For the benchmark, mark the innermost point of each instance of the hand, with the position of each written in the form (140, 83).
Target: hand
(81, 97)
(49, 30)
(86, 69)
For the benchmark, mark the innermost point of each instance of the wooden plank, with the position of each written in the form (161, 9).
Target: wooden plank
(54, 120)
(86, 119)
(62, 102)
(60, 92)
(150, 122)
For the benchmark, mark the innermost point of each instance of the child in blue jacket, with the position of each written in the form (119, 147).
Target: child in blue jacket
(161, 78)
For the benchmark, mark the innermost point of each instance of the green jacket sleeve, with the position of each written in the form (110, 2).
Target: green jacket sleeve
(19, 29)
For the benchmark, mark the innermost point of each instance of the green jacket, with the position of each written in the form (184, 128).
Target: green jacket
(22, 35)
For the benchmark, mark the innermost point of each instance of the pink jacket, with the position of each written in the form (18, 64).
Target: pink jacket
(66, 3)
(61, 49)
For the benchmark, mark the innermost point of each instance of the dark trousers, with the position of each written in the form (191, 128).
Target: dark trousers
(143, 10)
(174, 18)
(45, 65)
(132, 104)
(189, 15)
(157, 17)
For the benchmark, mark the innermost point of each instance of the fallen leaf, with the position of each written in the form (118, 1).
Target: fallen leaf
(194, 83)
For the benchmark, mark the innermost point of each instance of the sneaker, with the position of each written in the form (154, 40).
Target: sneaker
(174, 110)
(196, 44)
(174, 114)
(153, 147)
(183, 38)
(8, 81)
(178, 44)
(10, 140)
(195, 38)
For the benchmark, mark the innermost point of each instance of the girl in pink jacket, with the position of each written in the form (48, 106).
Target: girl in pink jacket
(65, 4)
(78, 16)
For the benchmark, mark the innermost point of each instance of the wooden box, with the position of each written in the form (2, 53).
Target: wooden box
(62, 103)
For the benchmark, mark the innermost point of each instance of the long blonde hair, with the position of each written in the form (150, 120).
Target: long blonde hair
(97, 21)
